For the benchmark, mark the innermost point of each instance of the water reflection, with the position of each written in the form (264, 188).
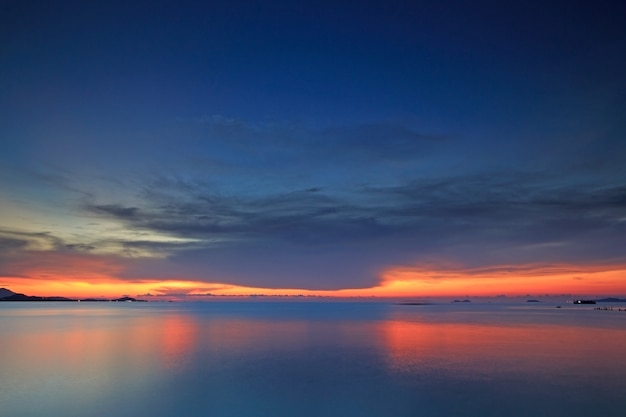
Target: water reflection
(484, 351)
(178, 336)
(327, 359)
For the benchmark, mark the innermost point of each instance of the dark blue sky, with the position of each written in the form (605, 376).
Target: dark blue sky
(287, 145)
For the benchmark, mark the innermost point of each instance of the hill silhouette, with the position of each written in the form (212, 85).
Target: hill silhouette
(8, 295)
(5, 293)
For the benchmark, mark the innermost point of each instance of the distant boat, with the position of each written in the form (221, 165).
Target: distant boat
(584, 302)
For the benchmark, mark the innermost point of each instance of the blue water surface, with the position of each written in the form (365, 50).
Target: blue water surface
(310, 358)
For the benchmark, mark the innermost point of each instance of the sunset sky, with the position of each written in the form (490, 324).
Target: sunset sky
(348, 148)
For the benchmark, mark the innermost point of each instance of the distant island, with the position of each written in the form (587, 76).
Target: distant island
(8, 295)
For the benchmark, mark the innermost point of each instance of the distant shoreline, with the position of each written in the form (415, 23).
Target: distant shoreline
(10, 296)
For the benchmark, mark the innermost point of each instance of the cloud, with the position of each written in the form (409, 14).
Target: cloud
(116, 210)
(317, 239)
(18, 241)
(58, 266)
(11, 244)
(80, 247)
(291, 206)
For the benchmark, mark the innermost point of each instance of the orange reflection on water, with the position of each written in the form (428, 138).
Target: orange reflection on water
(476, 350)
(93, 339)
(178, 335)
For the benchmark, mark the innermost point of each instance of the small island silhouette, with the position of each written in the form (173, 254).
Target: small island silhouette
(8, 295)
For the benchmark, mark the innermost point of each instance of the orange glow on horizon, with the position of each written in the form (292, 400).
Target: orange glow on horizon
(509, 280)
(513, 280)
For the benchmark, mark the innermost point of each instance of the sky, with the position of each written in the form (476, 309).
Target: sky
(336, 148)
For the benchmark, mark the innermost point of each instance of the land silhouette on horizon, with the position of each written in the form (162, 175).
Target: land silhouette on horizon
(8, 295)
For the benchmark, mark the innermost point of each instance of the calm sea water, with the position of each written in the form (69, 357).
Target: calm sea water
(310, 359)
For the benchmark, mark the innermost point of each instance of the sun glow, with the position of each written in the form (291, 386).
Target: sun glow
(77, 281)
(509, 280)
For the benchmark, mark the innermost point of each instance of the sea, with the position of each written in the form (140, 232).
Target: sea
(311, 358)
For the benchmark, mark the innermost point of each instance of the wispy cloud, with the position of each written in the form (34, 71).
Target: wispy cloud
(291, 206)
(315, 238)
